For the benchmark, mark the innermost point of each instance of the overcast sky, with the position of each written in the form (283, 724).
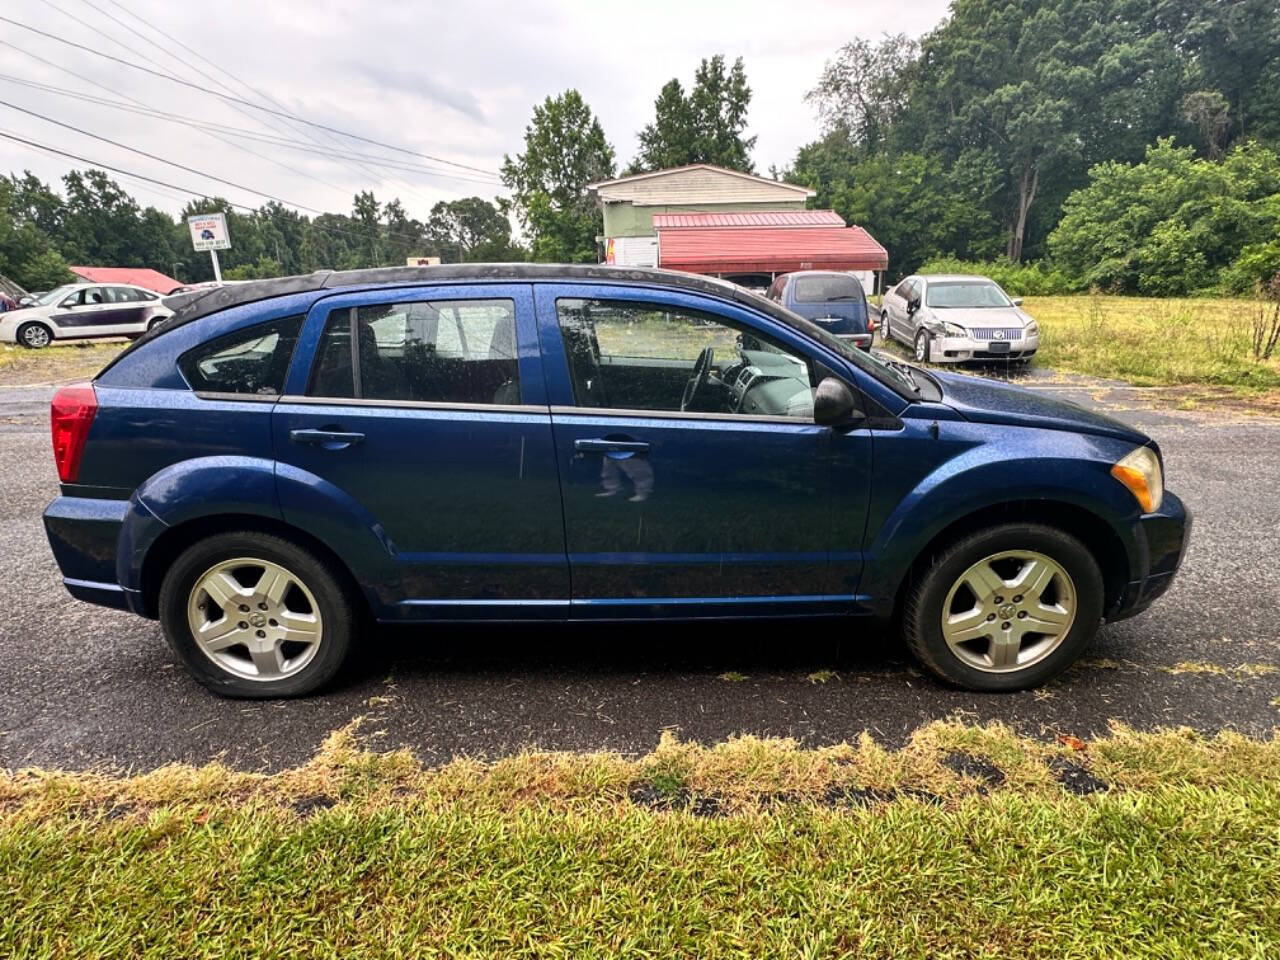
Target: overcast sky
(457, 81)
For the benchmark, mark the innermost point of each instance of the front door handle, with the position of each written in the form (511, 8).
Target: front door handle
(329, 439)
(602, 445)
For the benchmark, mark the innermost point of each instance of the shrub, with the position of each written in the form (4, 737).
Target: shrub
(1018, 279)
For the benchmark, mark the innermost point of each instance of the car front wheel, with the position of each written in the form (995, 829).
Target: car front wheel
(34, 335)
(922, 346)
(254, 615)
(1005, 609)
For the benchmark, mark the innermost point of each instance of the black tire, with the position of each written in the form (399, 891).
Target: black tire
(923, 345)
(33, 331)
(335, 600)
(155, 322)
(922, 610)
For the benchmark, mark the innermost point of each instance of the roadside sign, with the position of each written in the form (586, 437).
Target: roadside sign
(209, 232)
(422, 261)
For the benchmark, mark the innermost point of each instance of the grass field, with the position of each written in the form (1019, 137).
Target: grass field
(968, 842)
(1153, 342)
(59, 363)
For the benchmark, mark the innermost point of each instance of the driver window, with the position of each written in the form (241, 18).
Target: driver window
(638, 356)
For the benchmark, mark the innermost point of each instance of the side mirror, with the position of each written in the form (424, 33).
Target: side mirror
(1017, 301)
(833, 404)
(913, 306)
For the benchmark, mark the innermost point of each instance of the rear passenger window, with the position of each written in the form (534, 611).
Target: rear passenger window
(251, 361)
(441, 351)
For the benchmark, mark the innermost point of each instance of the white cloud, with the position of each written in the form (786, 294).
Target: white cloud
(453, 80)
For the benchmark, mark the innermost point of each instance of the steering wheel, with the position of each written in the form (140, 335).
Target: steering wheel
(701, 371)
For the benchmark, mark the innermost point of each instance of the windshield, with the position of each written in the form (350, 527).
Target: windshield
(825, 287)
(53, 296)
(966, 293)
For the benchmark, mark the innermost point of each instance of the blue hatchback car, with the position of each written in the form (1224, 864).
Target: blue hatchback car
(285, 460)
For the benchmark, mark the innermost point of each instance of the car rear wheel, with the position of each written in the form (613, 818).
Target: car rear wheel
(34, 335)
(1005, 609)
(155, 323)
(922, 346)
(253, 615)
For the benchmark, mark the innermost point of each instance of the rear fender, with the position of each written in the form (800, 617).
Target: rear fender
(211, 487)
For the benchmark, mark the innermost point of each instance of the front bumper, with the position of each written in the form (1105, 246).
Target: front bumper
(1162, 538)
(945, 349)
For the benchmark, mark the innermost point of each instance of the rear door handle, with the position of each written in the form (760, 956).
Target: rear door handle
(601, 445)
(329, 439)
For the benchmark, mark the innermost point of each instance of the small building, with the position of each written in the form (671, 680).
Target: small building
(709, 220)
(138, 276)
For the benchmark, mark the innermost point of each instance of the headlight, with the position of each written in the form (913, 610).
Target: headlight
(1140, 472)
(1032, 329)
(954, 330)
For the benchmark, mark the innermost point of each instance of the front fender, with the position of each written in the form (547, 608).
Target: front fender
(969, 468)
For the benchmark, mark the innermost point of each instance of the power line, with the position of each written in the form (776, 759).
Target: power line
(187, 191)
(125, 96)
(152, 156)
(360, 170)
(269, 139)
(240, 100)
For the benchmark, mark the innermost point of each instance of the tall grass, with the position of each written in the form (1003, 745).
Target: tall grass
(1153, 342)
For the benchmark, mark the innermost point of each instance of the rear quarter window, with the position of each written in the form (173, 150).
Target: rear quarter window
(251, 361)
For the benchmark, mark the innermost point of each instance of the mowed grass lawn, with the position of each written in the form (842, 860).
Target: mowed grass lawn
(968, 842)
(1154, 342)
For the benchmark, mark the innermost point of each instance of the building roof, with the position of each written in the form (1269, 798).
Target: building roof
(748, 218)
(138, 276)
(694, 184)
(769, 249)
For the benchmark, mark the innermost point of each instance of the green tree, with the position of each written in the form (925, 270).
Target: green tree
(704, 126)
(1172, 223)
(27, 255)
(862, 91)
(469, 229)
(564, 150)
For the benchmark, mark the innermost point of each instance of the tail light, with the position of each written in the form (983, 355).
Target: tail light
(871, 325)
(71, 414)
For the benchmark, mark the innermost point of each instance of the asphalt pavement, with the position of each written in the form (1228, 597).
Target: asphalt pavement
(84, 687)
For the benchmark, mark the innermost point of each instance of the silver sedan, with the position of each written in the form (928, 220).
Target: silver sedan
(950, 318)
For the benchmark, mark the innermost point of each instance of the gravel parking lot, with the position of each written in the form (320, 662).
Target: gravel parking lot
(85, 687)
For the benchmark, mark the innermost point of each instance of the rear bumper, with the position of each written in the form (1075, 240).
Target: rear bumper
(84, 533)
(1164, 536)
(862, 340)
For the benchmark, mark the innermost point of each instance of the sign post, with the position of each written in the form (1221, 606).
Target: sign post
(209, 232)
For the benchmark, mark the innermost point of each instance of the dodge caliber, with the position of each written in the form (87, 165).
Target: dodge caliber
(286, 461)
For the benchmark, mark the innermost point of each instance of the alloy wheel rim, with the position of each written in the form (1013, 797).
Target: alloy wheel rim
(255, 619)
(1009, 611)
(36, 336)
(920, 348)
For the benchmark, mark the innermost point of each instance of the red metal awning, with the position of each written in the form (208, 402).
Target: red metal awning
(748, 218)
(769, 249)
(138, 276)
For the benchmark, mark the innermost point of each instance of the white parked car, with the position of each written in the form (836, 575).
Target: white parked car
(948, 318)
(82, 310)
